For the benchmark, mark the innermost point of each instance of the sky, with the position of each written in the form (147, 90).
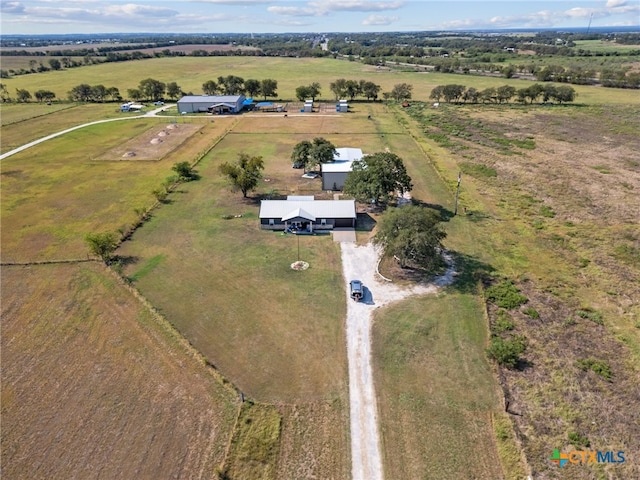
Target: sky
(283, 16)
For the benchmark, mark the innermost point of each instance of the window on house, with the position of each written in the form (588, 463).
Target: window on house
(272, 221)
(323, 221)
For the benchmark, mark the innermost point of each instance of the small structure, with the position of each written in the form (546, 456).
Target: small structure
(305, 215)
(335, 173)
(308, 106)
(211, 103)
(342, 106)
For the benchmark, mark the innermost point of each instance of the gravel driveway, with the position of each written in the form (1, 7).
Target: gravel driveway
(359, 262)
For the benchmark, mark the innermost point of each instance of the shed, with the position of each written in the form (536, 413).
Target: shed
(335, 173)
(211, 103)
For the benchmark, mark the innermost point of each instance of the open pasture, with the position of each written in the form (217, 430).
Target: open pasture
(558, 217)
(190, 73)
(57, 192)
(93, 386)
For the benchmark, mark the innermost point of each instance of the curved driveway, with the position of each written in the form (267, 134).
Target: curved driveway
(152, 113)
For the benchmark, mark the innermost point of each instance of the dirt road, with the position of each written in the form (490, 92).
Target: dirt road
(359, 262)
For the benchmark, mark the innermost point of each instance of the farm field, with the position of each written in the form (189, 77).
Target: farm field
(190, 73)
(93, 386)
(548, 200)
(570, 242)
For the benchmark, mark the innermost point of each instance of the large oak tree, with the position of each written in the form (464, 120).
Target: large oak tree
(378, 178)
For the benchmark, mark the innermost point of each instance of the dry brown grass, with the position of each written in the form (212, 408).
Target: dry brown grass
(93, 387)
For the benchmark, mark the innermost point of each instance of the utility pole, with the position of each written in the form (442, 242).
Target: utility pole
(298, 237)
(455, 212)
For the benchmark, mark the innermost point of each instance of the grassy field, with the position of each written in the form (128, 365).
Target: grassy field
(57, 192)
(190, 73)
(569, 241)
(93, 386)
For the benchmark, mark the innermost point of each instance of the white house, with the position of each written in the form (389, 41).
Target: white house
(304, 214)
(335, 173)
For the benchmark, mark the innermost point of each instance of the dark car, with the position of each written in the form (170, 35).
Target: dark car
(356, 289)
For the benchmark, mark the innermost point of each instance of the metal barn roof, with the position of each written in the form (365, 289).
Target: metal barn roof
(316, 208)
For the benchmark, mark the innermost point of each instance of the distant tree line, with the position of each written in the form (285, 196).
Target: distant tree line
(234, 85)
(454, 93)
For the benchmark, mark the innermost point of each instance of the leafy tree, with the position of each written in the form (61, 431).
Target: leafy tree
(339, 88)
(314, 90)
(23, 95)
(102, 244)
(114, 93)
(471, 95)
(377, 178)
(80, 93)
(437, 93)
(44, 95)
(98, 93)
(252, 87)
(488, 95)
(413, 236)
(185, 171)
(301, 152)
(505, 93)
(245, 174)
(565, 93)
(4, 93)
(369, 89)
(231, 84)
(401, 92)
(322, 151)
(303, 92)
(453, 92)
(55, 64)
(173, 90)
(269, 87)
(352, 89)
(152, 89)
(134, 94)
(210, 87)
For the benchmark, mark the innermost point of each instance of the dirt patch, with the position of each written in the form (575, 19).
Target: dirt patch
(154, 144)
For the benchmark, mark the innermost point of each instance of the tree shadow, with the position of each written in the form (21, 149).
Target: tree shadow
(470, 272)
(444, 212)
(365, 222)
(125, 260)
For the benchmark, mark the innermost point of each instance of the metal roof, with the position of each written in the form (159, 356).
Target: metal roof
(316, 208)
(211, 98)
(343, 160)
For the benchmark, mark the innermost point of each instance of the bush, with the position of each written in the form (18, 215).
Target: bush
(506, 295)
(102, 244)
(578, 440)
(531, 312)
(502, 323)
(507, 352)
(599, 367)
(591, 314)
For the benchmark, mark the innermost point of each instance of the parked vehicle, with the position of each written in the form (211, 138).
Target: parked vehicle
(356, 290)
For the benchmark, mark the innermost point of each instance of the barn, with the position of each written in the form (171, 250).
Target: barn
(335, 173)
(211, 103)
(305, 214)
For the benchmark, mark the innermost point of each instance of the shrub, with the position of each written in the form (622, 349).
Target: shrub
(531, 312)
(578, 440)
(507, 352)
(591, 314)
(599, 367)
(547, 211)
(505, 294)
(502, 323)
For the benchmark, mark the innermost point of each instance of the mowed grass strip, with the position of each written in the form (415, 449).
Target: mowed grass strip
(93, 385)
(435, 388)
(227, 285)
(253, 450)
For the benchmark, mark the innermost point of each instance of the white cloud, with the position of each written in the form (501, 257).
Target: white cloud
(295, 11)
(616, 3)
(15, 8)
(379, 20)
(357, 5)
